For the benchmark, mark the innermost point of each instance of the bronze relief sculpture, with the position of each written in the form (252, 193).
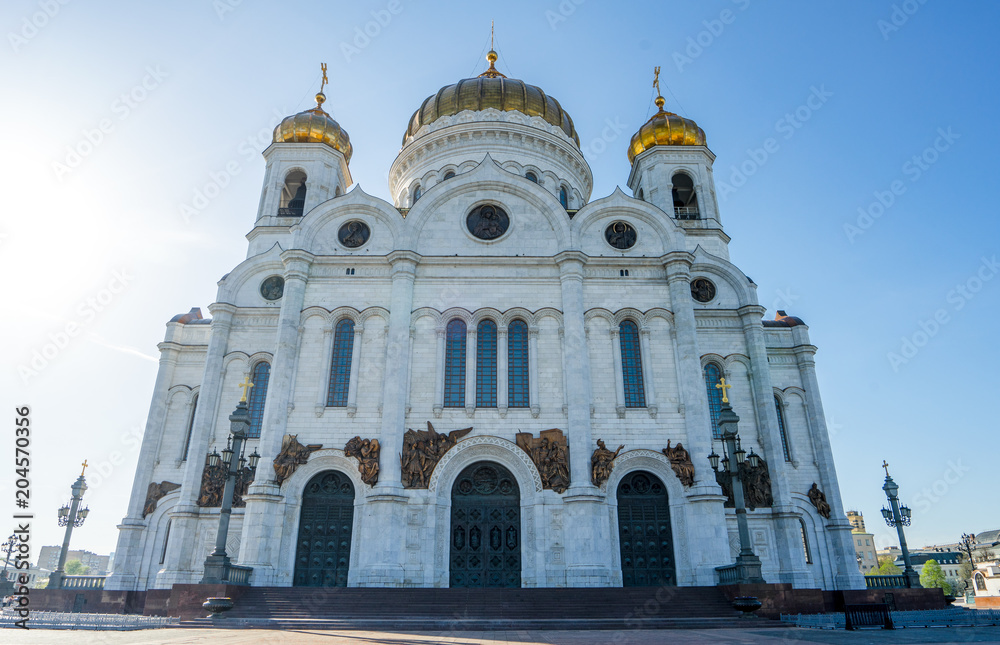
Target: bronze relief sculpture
(292, 455)
(213, 485)
(422, 449)
(155, 492)
(550, 453)
(756, 486)
(680, 463)
(601, 463)
(818, 500)
(366, 451)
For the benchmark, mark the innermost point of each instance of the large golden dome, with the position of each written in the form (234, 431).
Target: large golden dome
(314, 126)
(491, 89)
(665, 129)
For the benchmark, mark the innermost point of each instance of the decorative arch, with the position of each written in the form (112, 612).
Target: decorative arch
(485, 448)
(618, 205)
(487, 313)
(722, 269)
(254, 268)
(355, 204)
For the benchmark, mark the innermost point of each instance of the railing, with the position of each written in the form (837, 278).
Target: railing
(902, 619)
(83, 582)
(728, 575)
(289, 212)
(886, 582)
(869, 615)
(686, 212)
(60, 620)
(237, 575)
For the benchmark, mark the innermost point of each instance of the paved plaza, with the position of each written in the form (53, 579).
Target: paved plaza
(513, 637)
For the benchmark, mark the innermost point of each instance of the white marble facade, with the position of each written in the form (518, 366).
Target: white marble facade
(420, 268)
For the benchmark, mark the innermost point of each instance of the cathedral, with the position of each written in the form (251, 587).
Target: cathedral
(493, 380)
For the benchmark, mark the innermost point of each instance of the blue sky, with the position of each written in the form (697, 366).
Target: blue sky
(119, 115)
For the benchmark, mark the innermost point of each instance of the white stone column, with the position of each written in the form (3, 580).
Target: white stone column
(616, 350)
(533, 398)
(128, 553)
(503, 370)
(352, 385)
(324, 388)
(648, 380)
(471, 351)
(439, 371)
(182, 563)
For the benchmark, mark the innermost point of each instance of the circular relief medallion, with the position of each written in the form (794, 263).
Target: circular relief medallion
(273, 287)
(620, 235)
(487, 222)
(354, 234)
(702, 290)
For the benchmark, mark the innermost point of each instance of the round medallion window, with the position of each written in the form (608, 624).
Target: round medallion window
(487, 222)
(620, 235)
(272, 288)
(354, 234)
(702, 290)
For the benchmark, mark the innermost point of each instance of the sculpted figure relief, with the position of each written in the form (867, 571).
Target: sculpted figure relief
(422, 449)
(292, 455)
(680, 463)
(154, 493)
(551, 456)
(366, 451)
(213, 485)
(818, 500)
(601, 463)
(756, 486)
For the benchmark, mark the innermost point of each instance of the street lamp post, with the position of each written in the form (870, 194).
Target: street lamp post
(7, 586)
(967, 545)
(748, 567)
(71, 517)
(217, 564)
(899, 516)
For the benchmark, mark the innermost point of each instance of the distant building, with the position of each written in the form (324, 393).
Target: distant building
(949, 561)
(48, 558)
(986, 584)
(864, 542)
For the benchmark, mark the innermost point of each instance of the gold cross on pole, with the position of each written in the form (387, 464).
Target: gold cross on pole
(491, 35)
(84, 468)
(656, 79)
(246, 385)
(722, 385)
(325, 81)
(885, 465)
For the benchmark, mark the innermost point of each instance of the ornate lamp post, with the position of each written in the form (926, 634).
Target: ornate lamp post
(747, 563)
(217, 564)
(71, 517)
(966, 546)
(899, 516)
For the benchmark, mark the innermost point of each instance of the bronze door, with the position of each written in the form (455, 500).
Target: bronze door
(323, 553)
(644, 532)
(485, 528)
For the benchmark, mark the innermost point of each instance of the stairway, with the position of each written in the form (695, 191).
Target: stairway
(480, 609)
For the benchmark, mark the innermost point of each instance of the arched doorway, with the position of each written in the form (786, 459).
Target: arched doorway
(485, 528)
(644, 535)
(323, 553)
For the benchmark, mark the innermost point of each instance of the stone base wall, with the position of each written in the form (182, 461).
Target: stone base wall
(777, 599)
(95, 601)
(987, 602)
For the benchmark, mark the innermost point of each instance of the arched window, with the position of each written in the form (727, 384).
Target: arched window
(628, 335)
(448, 175)
(454, 365)
(187, 439)
(781, 428)
(340, 367)
(805, 541)
(416, 193)
(486, 364)
(166, 539)
(293, 195)
(685, 200)
(980, 582)
(530, 176)
(258, 394)
(563, 197)
(713, 376)
(517, 364)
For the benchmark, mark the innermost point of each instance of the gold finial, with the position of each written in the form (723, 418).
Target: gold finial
(885, 465)
(84, 468)
(656, 83)
(491, 56)
(246, 385)
(722, 385)
(320, 97)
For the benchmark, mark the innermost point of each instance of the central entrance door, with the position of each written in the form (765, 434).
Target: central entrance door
(644, 532)
(323, 553)
(485, 528)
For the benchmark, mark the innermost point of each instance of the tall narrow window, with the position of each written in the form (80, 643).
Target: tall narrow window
(628, 334)
(517, 364)
(454, 365)
(563, 197)
(416, 194)
(340, 367)
(187, 439)
(805, 541)
(781, 428)
(260, 376)
(293, 195)
(713, 377)
(685, 199)
(166, 539)
(448, 175)
(486, 364)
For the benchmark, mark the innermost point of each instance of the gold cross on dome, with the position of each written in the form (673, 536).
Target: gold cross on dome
(885, 465)
(84, 468)
(325, 81)
(246, 385)
(656, 79)
(722, 385)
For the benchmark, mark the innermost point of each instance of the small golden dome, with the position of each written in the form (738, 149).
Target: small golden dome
(314, 126)
(665, 129)
(491, 89)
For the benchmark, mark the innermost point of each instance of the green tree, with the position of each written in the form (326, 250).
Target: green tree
(932, 576)
(76, 568)
(886, 567)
